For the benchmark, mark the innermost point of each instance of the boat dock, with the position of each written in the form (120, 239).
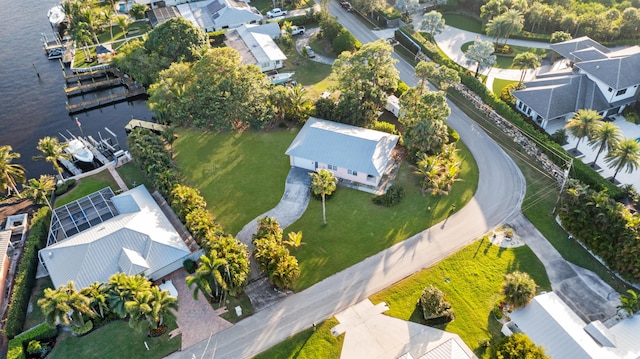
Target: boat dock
(96, 153)
(103, 101)
(70, 166)
(83, 76)
(154, 127)
(91, 87)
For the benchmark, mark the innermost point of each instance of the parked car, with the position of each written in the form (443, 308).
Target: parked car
(276, 13)
(297, 30)
(310, 52)
(346, 5)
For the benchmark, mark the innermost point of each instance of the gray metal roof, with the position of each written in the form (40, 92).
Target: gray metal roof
(345, 146)
(145, 238)
(549, 322)
(589, 54)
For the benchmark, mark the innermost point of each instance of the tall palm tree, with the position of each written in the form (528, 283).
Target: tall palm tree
(299, 105)
(323, 183)
(52, 150)
(208, 277)
(526, 61)
(65, 305)
(123, 24)
(625, 155)
(582, 123)
(481, 55)
(39, 190)
(606, 135)
(10, 173)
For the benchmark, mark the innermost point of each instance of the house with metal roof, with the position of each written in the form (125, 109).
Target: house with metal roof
(594, 77)
(102, 234)
(354, 154)
(256, 47)
(548, 321)
(219, 14)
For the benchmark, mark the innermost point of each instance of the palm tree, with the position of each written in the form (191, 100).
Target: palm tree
(10, 173)
(518, 288)
(433, 23)
(149, 308)
(208, 277)
(299, 104)
(121, 288)
(123, 24)
(625, 155)
(526, 61)
(506, 24)
(162, 306)
(139, 310)
(286, 272)
(39, 190)
(52, 150)
(323, 183)
(582, 123)
(65, 306)
(630, 302)
(481, 55)
(97, 294)
(606, 135)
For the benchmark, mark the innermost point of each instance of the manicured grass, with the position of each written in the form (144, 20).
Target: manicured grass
(231, 303)
(356, 228)
(471, 280)
(88, 185)
(265, 5)
(310, 74)
(135, 29)
(133, 176)
(36, 316)
(309, 344)
(463, 22)
(505, 61)
(499, 84)
(116, 340)
(241, 175)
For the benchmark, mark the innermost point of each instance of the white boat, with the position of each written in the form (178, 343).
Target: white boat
(56, 15)
(281, 78)
(79, 151)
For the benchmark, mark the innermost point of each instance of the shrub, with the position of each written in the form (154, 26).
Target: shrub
(345, 41)
(435, 308)
(65, 186)
(80, 331)
(216, 38)
(401, 89)
(190, 266)
(519, 346)
(507, 91)
(394, 196)
(25, 277)
(18, 345)
(518, 288)
(560, 137)
(454, 136)
(384, 126)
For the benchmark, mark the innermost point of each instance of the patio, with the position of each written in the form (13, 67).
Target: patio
(628, 130)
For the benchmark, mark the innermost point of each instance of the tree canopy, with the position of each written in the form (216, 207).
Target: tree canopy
(217, 93)
(481, 55)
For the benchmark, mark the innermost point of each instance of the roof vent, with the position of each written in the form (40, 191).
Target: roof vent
(50, 254)
(597, 67)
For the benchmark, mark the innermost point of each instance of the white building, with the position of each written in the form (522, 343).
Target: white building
(256, 47)
(352, 153)
(219, 14)
(102, 234)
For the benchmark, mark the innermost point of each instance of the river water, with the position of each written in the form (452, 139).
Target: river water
(32, 107)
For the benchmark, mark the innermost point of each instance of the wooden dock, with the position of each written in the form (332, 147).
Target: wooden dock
(83, 76)
(91, 87)
(70, 166)
(96, 153)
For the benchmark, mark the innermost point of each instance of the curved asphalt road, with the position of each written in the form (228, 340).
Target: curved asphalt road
(500, 192)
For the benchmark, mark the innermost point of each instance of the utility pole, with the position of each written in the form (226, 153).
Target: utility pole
(564, 183)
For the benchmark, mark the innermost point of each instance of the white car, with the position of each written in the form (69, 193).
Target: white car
(297, 30)
(276, 13)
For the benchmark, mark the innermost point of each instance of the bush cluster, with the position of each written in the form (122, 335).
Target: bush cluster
(393, 197)
(65, 186)
(18, 345)
(580, 171)
(25, 278)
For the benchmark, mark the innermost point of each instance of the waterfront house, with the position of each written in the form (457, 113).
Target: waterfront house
(219, 14)
(256, 47)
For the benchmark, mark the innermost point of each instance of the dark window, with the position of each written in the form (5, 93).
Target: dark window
(621, 92)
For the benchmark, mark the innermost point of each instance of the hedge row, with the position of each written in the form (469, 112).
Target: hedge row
(17, 345)
(579, 170)
(25, 278)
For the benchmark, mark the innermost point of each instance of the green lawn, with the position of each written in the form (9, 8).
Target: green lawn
(116, 340)
(499, 84)
(308, 344)
(310, 74)
(357, 228)
(463, 22)
(36, 316)
(505, 61)
(133, 176)
(471, 280)
(87, 185)
(241, 175)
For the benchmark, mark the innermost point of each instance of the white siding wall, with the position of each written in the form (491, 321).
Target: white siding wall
(303, 163)
(341, 172)
(612, 96)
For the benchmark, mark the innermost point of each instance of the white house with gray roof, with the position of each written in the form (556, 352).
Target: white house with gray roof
(352, 153)
(102, 234)
(549, 322)
(219, 14)
(595, 78)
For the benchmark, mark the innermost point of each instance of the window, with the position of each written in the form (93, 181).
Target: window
(621, 92)
(610, 89)
(352, 172)
(332, 167)
(529, 112)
